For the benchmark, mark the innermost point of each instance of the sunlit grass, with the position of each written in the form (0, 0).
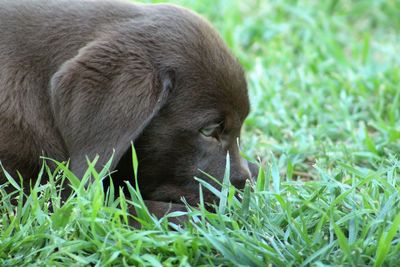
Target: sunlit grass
(323, 81)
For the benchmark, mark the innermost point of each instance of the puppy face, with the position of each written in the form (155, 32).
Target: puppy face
(191, 135)
(196, 128)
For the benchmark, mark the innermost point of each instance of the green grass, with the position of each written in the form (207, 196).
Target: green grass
(324, 82)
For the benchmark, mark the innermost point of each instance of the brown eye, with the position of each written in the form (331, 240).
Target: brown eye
(208, 131)
(211, 131)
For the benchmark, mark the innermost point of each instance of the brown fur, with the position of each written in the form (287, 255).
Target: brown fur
(85, 78)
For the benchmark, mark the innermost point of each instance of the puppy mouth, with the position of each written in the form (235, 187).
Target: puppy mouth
(175, 194)
(153, 189)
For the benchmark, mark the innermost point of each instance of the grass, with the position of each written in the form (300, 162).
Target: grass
(324, 85)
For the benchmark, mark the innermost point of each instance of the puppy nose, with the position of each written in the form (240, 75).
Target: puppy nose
(239, 179)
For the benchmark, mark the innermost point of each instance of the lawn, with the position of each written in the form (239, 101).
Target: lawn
(324, 84)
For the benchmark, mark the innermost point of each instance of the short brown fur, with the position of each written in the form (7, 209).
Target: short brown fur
(85, 78)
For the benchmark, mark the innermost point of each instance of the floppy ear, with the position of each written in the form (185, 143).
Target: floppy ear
(103, 98)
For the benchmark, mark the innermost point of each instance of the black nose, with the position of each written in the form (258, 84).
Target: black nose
(238, 178)
(238, 182)
(247, 170)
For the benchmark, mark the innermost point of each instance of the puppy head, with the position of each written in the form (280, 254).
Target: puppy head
(190, 136)
(166, 81)
(202, 118)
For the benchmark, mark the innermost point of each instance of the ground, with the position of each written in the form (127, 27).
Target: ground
(323, 81)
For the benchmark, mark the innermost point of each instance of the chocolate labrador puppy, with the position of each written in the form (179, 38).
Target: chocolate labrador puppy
(86, 78)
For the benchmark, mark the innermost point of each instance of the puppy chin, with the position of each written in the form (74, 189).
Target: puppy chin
(175, 194)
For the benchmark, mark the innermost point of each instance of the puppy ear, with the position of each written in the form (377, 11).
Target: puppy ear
(103, 98)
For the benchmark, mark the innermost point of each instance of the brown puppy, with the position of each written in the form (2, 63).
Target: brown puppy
(86, 78)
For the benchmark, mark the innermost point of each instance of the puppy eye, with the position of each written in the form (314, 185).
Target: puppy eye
(211, 131)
